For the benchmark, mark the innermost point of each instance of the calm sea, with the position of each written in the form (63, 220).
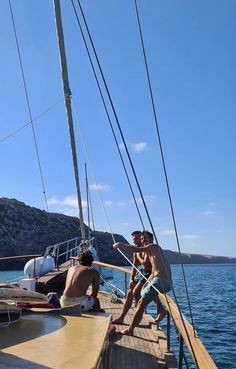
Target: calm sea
(212, 293)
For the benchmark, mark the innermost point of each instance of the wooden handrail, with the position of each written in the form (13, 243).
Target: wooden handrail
(110, 266)
(198, 351)
(204, 361)
(115, 267)
(20, 257)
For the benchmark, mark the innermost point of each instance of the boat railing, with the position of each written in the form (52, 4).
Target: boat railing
(18, 257)
(63, 251)
(186, 336)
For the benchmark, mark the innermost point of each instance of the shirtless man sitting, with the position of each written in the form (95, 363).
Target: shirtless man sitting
(136, 280)
(78, 279)
(160, 278)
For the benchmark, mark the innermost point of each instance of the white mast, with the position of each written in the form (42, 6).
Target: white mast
(67, 96)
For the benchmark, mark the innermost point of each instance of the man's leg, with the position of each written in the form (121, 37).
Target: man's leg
(161, 311)
(137, 316)
(126, 307)
(163, 287)
(137, 292)
(97, 306)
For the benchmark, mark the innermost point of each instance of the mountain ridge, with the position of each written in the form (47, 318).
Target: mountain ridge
(28, 230)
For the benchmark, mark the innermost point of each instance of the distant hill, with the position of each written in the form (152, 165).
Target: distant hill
(174, 258)
(27, 230)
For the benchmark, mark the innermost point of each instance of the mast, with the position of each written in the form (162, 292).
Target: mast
(67, 97)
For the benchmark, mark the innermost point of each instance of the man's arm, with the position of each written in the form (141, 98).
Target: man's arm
(133, 271)
(95, 283)
(130, 248)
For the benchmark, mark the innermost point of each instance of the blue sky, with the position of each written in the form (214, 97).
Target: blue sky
(191, 54)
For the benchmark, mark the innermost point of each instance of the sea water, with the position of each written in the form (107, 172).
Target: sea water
(212, 295)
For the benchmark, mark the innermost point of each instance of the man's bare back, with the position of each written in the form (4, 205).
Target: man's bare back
(78, 280)
(160, 267)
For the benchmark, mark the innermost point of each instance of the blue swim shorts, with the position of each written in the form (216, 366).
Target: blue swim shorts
(162, 285)
(139, 278)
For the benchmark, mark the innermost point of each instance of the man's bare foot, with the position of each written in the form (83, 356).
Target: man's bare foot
(127, 331)
(118, 321)
(160, 316)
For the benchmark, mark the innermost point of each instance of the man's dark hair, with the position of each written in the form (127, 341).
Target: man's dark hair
(149, 234)
(135, 232)
(85, 258)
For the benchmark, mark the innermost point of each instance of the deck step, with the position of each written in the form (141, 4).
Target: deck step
(147, 349)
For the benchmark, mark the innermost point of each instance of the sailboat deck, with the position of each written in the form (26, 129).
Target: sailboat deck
(56, 341)
(147, 349)
(52, 341)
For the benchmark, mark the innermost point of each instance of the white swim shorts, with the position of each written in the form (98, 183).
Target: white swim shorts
(86, 302)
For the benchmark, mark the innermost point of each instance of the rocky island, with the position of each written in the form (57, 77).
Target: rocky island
(27, 230)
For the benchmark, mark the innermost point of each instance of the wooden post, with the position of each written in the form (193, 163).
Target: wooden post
(168, 331)
(67, 97)
(181, 350)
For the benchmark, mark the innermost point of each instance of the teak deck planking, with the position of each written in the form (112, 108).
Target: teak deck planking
(143, 349)
(199, 353)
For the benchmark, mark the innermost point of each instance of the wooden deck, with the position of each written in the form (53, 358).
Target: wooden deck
(147, 344)
(53, 341)
(147, 349)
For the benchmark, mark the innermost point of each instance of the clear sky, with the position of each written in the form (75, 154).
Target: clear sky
(192, 59)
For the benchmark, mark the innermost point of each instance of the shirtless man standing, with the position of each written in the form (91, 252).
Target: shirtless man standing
(78, 279)
(136, 281)
(160, 278)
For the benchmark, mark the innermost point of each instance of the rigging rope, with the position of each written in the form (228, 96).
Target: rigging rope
(92, 170)
(109, 284)
(99, 192)
(106, 214)
(130, 161)
(108, 117)
(28, 105)
(119, 128)
(117, 122)
(97, 187)
(166, 179)
(27, 124)
(162, 155)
